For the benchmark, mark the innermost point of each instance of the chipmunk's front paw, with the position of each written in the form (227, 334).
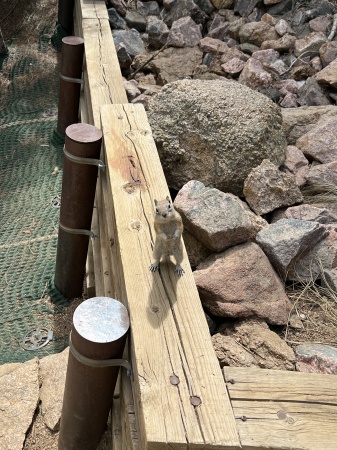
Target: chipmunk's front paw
(180, 271)
(154, 266)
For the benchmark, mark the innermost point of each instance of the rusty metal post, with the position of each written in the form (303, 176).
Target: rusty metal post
(98, 336)
(82, 148)
(70, 81)
(65, 14)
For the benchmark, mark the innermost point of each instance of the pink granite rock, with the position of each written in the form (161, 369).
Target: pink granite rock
(266, 188)
(311, 43)
(311, 213)
(234, 66)
(217, 219)
(270, 59)
(320, 143)
(284, 44)
(296, 164)
(321, 23)
(328, 52)
(241, 282)
(257, 32)
(271, 2)
(316, 358)
(287, 86)
(282, 27)
(289, 101)
(328, 75)
(286, 239)
(311, 264)
(184, 33)
(254, 76)
(210, 45)
(250, 343)
(323, 174)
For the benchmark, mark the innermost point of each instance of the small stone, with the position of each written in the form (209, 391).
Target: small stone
(245, 7)
(312, 94)
(210, 45)
(282, 27)
(295, 164)
(311, 44)
(207, 6)
(270, 60)
(328, 52)
(234, 66)
(223, 4)
(316, 64)
(185, 8)
(316, 358)
(269, 19)
(157, 32)
(289, 101)
(281, 8)
(115, 20)
(287, 86)
(310, 264)
(131, 40)
(250, 343)
(119, 6)
(320, 23)
(135, 20)
(184, 33)
(53, 371)
(311, 213)
(131, 88)
(329, 280)
(257, 32)
(150, 8)
(295, 322)
(328, 75)
(271, 2)
(266, 188)
(143, 99)
(286, 239)
(123, 56)
(284, 44)
(320, 143)
(322, 174)
(254, 76)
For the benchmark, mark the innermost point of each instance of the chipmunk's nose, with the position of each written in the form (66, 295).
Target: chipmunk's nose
(164, 215)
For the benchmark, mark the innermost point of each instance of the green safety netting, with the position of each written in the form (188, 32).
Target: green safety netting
(30, 185)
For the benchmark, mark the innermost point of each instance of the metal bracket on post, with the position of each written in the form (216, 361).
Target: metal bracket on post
(77, 231)
(72, 80)
(101, 362)
(80, 160)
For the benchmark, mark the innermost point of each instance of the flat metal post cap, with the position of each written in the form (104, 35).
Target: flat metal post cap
(101, 320)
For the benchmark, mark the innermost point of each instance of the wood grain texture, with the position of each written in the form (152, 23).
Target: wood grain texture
(170, 337)
(283, 410)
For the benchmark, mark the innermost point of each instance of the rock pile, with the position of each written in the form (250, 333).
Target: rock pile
(242, 103)
(285, 50)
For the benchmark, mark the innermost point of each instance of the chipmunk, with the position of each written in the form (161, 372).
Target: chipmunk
(168, 226)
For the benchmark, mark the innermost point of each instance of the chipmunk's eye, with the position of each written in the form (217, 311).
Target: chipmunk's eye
(169, 206)
(157, 210)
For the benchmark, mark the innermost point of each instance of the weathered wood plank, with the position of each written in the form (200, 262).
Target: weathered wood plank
(170, 336)
(260, 384)
(283, 410)
(103, 77)
(128, 415)
(92, 9)
(286, 425)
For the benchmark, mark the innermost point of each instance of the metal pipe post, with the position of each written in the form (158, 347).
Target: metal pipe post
(82, 148)
(99, 331)
(65, 14)
(70, 81)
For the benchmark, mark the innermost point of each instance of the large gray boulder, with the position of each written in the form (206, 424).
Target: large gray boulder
(214, 131)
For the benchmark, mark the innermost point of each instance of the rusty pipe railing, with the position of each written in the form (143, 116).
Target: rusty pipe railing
(82, 148)
(98, 337)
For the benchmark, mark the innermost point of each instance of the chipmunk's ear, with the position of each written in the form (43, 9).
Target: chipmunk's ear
(168, 199)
